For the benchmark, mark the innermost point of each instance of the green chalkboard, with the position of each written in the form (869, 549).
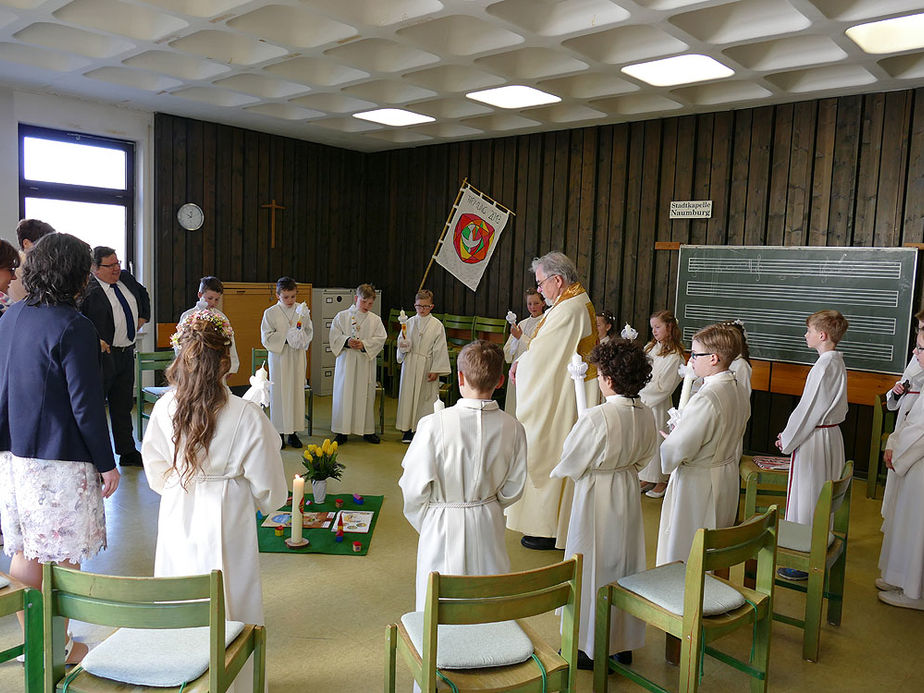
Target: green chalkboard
(773, 289)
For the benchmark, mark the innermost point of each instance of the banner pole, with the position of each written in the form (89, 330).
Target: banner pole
(439, 243)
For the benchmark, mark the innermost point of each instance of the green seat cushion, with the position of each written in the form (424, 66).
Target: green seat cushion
(474, 646)
(664, 586)
(797, 537)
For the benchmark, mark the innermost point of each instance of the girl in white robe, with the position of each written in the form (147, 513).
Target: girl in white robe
(602, 455)
(424, 357)
(900, 399)
(464, 466)
(208, 500)
(518, 342)
(286, 336)
(357, 335)
(699, 453)
(665, 352)
(812, 435)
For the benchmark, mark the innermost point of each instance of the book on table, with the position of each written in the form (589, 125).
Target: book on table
(355, 521)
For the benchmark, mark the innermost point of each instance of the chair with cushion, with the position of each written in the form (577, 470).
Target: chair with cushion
(458, 330)
(258, 358)
(172, 634)
(819, 550)
(688, 603)
(15, 596)
(883, 425)
(148, 361)
(468, 637)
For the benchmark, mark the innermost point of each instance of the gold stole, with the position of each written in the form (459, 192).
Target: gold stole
(587, 342)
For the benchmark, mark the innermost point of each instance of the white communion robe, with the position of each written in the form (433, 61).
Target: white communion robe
(901, 560)
(210, 525)
(428, 354)
(513, 349)
(699, 454)
(742, 371)
(465, 464)
(547, 408)
(286, 345)
(232, 351)
(656, 395)
(602, 455)
(354, 370)
(902, 406)
(813, 436)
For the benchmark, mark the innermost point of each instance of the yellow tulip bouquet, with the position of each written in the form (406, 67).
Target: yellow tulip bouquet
(321, 462)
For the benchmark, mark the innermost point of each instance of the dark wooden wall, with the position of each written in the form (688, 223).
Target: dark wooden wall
(839, 171)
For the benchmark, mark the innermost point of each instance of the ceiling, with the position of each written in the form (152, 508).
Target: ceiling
(302, 68)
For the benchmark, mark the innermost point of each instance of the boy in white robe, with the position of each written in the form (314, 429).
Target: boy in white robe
(286, 335)
(700, 453)
(602, 455)
(357, 335)
(424, 357)
(812, 435)
(465, 465)
(518, 342)
(901, 560)
(210, 292)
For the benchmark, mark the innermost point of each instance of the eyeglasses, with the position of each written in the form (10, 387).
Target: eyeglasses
(539, 285)
(420, 305)
(918, 349)
(117, 263)
(694, 354)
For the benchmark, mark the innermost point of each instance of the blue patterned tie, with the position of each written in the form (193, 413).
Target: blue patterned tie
(129, 319)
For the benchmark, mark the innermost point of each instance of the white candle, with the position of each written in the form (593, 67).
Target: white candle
(298, 493)
(577, 369)
(687, 388)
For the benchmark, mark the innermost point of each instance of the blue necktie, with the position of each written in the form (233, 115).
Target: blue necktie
(129, 320)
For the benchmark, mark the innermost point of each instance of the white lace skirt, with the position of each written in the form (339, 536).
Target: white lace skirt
(51, 510)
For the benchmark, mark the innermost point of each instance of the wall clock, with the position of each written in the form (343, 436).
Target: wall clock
(190, 216)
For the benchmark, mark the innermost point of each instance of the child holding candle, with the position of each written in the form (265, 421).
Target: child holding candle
(424, 357)
(214, 459)
(518, 342)
(286, 335)
(665, 352)
(699, 453)
(602, 455)
(464, 466)
(210, 292)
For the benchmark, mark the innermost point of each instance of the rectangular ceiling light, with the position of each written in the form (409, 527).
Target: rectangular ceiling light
(394, 116)
(514, 96)
(889, 35)
(681, 69)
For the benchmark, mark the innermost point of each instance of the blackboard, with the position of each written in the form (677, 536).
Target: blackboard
(773, 290)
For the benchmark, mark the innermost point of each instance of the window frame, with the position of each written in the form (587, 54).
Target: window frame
(82, 193)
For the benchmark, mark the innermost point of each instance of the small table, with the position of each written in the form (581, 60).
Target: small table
(18, 597)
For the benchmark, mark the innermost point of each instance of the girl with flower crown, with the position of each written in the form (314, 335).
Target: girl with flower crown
(214, 459)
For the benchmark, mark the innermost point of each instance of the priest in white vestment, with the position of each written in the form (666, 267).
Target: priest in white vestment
(357, 335)
(424, 357)
(464, 466)
(546, 403)
(700, 453)
(518, 342)
(286, 334)
(602, 456)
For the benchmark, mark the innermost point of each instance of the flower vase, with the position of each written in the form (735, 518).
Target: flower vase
(319, 490)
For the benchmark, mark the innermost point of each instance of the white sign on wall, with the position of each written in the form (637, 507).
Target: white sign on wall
(691, 209)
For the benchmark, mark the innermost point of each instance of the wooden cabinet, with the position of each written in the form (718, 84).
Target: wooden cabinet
(244, 303)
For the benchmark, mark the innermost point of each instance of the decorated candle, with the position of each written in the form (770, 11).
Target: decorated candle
(688, 377)
(511, 317)
(298, 494)
(402, 318)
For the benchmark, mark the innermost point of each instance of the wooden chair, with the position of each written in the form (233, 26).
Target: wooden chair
(458, 330)
(258, 357)
(491, 329)
(449, 390)
(15, 596)
(150, 604)
(148, 361)
(490, 599)
(819, 550)
(391, 367)
(883, 425)
(671, 598)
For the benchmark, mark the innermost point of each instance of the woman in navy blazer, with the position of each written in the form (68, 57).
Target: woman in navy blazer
(56, 465)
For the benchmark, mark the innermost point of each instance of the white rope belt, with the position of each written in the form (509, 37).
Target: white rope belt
(217, 477)
(463, 504)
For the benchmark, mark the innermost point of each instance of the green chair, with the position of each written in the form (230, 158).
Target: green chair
(688, 603)
(149, 604)
(15, 596)
(449, 387)
(392, 370)
(493, 330)
(819, 550)
(883, 425)
(148, 361)
(259, 357)
(458, 330)
(454, 601)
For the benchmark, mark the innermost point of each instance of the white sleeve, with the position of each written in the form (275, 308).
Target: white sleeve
(684, 442)
(419, 466)
(156, 448)
(583, 447)
(338, 336)
(262, 460)
(272, 336)
(513, 486)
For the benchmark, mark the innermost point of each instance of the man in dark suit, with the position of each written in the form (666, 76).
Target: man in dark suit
(118, 305)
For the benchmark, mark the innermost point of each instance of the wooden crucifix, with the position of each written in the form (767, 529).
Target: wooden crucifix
(272, 206)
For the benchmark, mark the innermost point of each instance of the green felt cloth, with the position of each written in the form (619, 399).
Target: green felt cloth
(323, 540)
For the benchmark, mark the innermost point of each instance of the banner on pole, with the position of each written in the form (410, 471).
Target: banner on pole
(471, 236)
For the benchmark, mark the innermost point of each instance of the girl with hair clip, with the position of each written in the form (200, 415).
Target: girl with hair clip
(665, 352)
(606, 327)
(214, 459)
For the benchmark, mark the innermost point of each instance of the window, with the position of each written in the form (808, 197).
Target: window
(83, 185)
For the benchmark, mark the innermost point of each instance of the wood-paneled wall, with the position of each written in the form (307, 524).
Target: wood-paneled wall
(839, 171)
